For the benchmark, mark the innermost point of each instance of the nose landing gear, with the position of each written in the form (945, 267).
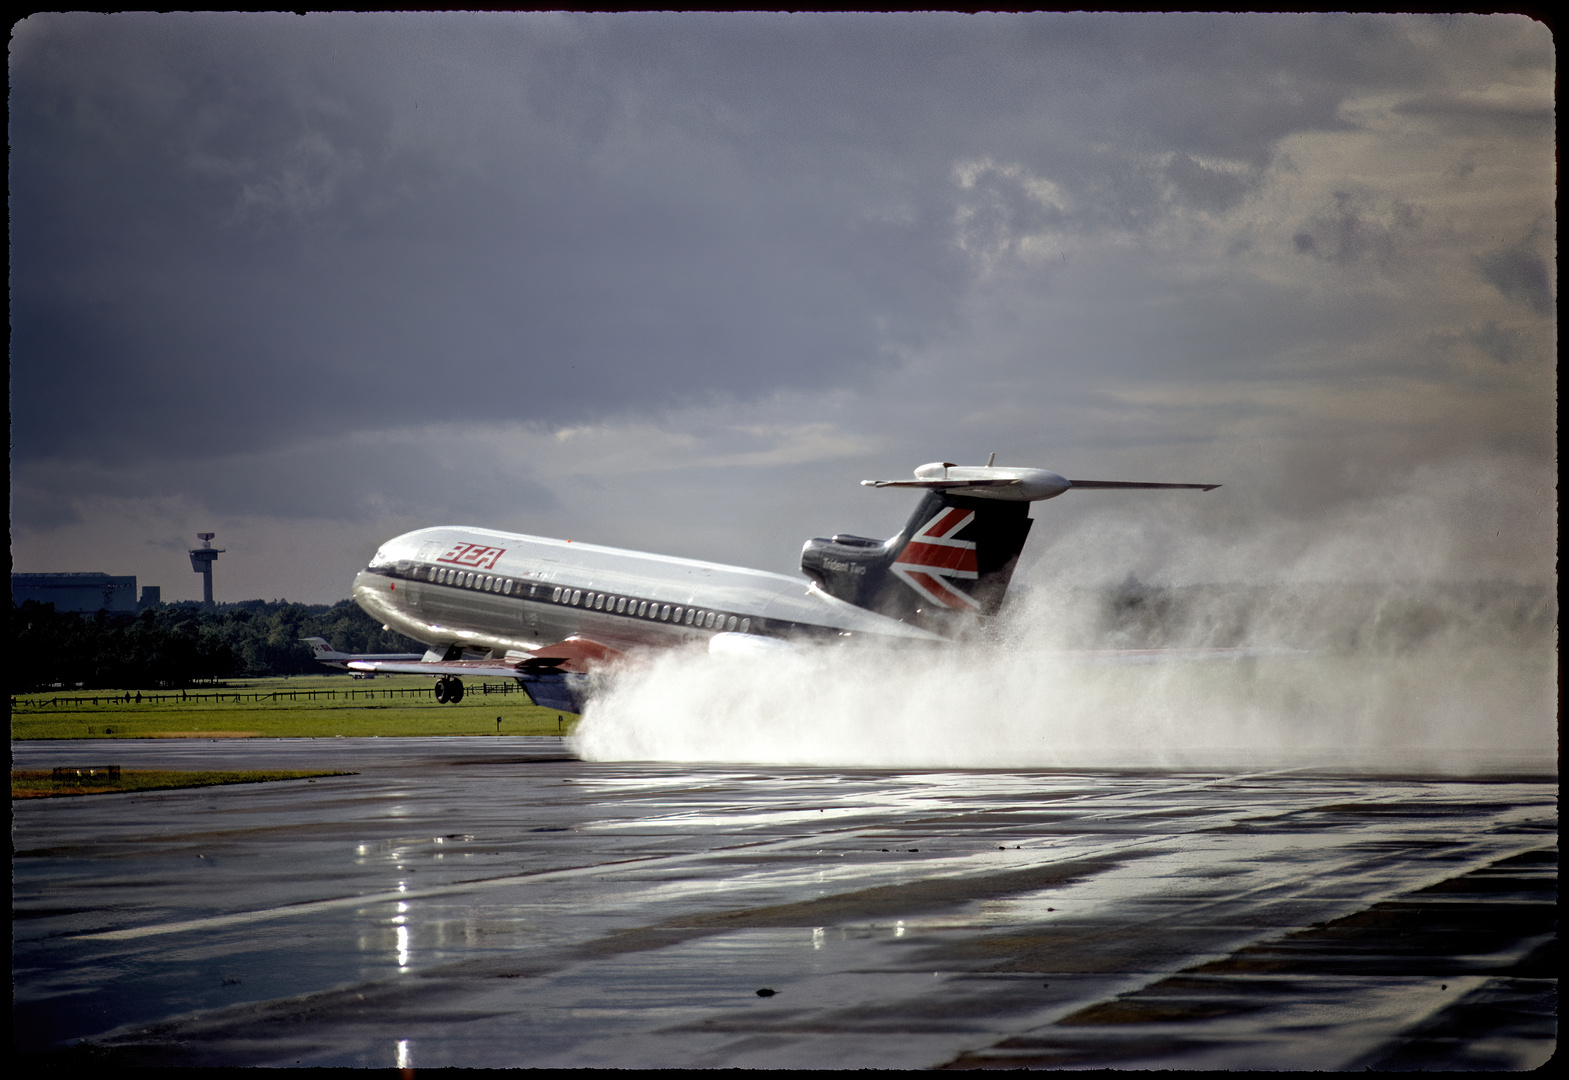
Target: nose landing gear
(449, 690)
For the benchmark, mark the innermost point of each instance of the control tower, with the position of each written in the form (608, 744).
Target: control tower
(202, 559)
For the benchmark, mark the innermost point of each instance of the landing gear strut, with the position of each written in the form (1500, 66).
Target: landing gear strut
(449, 690)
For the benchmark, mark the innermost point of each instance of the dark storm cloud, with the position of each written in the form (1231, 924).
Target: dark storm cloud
(1501, 343)
(228, 250)
(1354, 230)
(1478, 117)
(1521, 275)
(230, 232)
(354, 481)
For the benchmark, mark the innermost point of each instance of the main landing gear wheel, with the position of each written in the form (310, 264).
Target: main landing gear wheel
(449, 690)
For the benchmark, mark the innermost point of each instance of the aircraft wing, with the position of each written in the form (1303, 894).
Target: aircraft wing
(574, 655)
(500, 669)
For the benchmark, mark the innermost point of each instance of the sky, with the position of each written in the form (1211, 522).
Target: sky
(679, 282)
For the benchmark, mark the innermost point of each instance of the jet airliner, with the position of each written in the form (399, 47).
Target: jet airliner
(548, 612)
(326, 654)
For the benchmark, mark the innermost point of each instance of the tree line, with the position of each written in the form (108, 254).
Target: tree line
(176, 645)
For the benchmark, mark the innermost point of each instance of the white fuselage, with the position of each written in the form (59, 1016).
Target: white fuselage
(341, 660)
(506, 592)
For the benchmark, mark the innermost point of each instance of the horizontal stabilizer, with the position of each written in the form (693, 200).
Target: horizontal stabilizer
(939, 485)
(1091, 484)
(1009, 483)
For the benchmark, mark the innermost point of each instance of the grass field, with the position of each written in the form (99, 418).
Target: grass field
(388, 706)
(37, 784)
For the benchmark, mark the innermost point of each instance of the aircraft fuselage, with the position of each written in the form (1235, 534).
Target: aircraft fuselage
(505, 592)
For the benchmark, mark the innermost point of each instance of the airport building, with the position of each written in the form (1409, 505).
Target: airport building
(85, 592)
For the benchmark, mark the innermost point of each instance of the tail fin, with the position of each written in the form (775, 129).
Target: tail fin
(321, 649)
(954, 558)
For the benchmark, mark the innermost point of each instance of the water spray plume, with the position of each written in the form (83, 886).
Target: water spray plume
(1380, 674)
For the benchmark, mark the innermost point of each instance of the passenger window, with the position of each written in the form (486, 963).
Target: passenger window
(664, 613)
(577, 595)
(621, 605)
(746, 626)
(730, 623)
(599, 602)
(506, 587)
(642, 607)
(555, 597)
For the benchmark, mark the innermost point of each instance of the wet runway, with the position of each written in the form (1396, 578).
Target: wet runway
(494, 902)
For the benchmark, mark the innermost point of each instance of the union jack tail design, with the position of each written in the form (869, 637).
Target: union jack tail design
(934, 558)
(952, 561)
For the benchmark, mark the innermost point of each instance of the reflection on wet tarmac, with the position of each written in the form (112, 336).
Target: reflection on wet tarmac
(494, 902)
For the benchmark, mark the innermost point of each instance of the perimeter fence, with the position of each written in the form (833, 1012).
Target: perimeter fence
(233, 697)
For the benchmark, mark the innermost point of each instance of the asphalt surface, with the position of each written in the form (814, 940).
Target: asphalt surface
(495, 902)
